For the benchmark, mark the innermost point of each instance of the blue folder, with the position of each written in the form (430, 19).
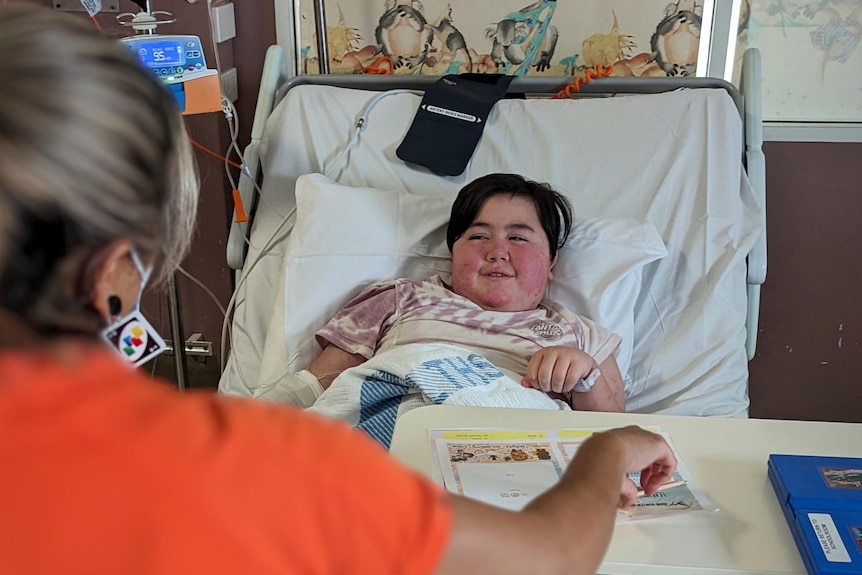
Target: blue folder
(821, 498)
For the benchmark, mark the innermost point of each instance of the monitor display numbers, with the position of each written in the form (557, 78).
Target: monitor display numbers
(161, 54)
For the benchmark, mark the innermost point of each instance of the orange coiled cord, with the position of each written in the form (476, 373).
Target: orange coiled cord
(589, 74)
(380, 66)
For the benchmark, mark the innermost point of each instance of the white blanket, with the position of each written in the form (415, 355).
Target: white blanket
(372, 395)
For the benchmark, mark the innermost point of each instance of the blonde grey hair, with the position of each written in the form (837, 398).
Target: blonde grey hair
(92, 150)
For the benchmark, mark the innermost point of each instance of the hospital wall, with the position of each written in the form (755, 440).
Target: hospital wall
(809, 349)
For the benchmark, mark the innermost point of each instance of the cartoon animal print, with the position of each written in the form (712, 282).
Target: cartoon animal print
(607, 49)
(525, 38)
(640, 65)
(838, 24)
(744, 17)
(342, 38)
(802, 12)
(838, 38)
(520, 455)
(403, 34)
(357, 61)
(811, 9)
(461, 455)
(542, 454)
(482, 63)
(308, 52)
(342, 41)
(677, 38)
(448, 45)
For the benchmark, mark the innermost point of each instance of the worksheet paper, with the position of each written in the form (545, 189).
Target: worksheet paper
(508, 468)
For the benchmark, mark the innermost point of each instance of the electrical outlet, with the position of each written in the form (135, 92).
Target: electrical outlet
(229, 86)
(224, 25)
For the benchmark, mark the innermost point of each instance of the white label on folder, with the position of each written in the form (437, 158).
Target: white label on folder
(829, 538)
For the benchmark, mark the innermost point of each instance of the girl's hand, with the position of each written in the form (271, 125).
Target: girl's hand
(558, 369)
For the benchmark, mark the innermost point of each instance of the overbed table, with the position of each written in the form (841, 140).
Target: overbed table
(725, 457)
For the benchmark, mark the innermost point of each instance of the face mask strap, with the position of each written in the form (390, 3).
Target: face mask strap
(145, 273)
(132, 336)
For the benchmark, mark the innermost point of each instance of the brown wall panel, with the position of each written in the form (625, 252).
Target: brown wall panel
(809, 349)
(255, 31)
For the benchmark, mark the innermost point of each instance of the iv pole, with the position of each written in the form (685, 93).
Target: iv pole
(146, 22)
(177, 334)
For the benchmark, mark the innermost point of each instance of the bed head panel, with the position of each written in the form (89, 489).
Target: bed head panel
(674, 159)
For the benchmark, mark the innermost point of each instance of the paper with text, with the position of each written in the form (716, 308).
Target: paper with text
(508, 468)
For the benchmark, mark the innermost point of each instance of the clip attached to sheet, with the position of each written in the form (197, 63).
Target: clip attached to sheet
(450, 121)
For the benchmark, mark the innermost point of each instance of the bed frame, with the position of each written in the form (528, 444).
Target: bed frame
(275, 83)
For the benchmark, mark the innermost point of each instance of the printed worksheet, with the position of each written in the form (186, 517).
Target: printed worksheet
(508, 468)
(498, 469)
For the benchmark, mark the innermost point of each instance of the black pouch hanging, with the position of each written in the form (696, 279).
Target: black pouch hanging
(450, 121)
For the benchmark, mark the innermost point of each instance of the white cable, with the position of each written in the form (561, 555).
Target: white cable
(247, 172)
(233, 141)
(244, 169)
(243, 277)
(233, 125)
(208, 291)
(232, 118)
(359, 127)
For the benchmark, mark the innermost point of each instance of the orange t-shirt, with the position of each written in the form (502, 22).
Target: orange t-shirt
(103, 471)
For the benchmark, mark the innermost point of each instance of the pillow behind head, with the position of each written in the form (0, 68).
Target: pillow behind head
(346, 238)
(598, 274)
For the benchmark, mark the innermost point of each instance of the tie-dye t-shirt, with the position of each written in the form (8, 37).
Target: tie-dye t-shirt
(403, 311)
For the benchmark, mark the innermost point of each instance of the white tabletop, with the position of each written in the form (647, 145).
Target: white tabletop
(725, 457)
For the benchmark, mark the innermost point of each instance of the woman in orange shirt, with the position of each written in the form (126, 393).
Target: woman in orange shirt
(104, 471)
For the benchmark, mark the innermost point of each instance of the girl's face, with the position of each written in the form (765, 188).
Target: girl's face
(502, 262)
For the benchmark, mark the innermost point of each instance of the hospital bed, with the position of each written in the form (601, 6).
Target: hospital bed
(666, 176)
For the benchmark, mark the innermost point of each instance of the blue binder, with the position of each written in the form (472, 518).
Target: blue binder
(821, 498)
(815, 482)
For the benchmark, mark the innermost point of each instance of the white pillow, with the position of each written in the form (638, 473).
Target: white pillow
(346, 238)
(598, 274)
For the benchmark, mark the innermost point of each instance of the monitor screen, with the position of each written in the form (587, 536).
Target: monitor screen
(165, 53)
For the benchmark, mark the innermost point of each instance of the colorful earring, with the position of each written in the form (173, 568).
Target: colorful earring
(131, 335)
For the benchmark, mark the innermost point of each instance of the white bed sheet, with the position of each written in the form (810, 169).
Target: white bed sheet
(673, 159)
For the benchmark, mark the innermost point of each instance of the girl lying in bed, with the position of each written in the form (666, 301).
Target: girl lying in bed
(504, 233)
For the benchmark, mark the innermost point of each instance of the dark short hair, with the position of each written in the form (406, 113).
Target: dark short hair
(553, 209)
